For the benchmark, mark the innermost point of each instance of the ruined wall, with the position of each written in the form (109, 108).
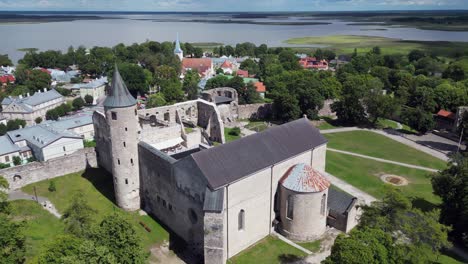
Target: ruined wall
(103, 143)
(173, 192)
(187, 111)
(255, 111)
(23, 175)
(210, 119)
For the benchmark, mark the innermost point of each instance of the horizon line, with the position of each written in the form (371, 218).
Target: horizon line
(254, 11)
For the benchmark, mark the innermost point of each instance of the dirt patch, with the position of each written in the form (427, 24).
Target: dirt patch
(394, 180)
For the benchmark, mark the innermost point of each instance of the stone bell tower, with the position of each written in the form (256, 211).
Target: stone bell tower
(121, 115)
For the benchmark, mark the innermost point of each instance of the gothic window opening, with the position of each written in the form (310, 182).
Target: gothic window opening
(118, 161)
(322, 204)
(290, 208)
(114, 115)
(126, 181)
(241, 220)
(125, 145)
(131, 161)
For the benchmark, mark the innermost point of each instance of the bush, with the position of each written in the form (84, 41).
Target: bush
(4, 166)
(89, 144)
(89, 99)
(17, 160)
(235, 131)
(78, 103)
(52, 187)
(63, 91)
(31, 159)
(38, 120)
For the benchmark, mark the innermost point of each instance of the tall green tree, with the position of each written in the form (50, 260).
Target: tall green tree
(190, 84)
(78, 217)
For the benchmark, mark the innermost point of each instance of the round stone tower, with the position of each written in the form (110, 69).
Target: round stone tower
(303, 201)
(121, 115)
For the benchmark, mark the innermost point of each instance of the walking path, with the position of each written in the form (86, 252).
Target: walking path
(395, 135)
(383, 160)
(46, 204)
(308, 252)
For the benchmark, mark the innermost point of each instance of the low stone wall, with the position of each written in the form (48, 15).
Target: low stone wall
(326, 109)
(255, 111)
(20, 176)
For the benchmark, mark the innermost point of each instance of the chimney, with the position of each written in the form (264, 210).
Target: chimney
(45, 90)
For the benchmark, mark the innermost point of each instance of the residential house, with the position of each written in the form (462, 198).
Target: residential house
(80, 124)
(313, 63)
(9, 150)
(259, 86)
(445, 119)
(59, 76)
(31, 107)
(204, 66)
(6, 79)
(95, 88)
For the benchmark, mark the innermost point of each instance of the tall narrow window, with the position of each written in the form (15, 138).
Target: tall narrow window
(290, 207)
(125, 145)
(118, 161)
(126, 129)
(126, 181)
(114, 115)
(131, 161)
(64, 149)
(323, 204)
(241, 220)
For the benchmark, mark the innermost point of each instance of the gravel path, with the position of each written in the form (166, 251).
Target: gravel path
(46, 203)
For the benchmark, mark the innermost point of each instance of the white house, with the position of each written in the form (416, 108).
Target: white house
(81, 124)
(95, 88)
(31, 107)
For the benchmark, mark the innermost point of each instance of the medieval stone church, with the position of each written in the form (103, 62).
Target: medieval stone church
(219, 199)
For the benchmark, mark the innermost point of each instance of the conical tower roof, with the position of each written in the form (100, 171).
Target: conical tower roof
(177, 45)
(304, 179)
(118, 96)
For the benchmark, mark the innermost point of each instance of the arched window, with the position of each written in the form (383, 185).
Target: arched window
(241, 220)
(323, 204)
(290, 207)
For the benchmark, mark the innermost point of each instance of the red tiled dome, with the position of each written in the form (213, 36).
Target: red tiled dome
(303, 178)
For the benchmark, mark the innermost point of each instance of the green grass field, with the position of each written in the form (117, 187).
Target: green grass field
(40, 226)
(345, 44)
(364, 175)
(375, 145)
(97, 187)
(269, 250)
(258, 126)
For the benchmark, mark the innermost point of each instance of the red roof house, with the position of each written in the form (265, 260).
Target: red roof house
(313, 63)
(243, 73)
(204, 66)
(7, 79)
(446, 114)
(260, 87)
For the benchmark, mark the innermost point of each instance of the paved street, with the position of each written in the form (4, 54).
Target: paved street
(46, 204)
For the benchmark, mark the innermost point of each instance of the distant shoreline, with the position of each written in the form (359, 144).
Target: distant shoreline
(20, 19)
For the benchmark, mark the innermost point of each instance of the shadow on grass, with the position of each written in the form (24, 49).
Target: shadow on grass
(288, 258)
(102, 181)
(423, 204)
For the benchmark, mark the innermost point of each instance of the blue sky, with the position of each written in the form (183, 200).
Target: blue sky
(230, 5)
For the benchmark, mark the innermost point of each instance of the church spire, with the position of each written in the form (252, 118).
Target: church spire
(118, 96)
(177, 50)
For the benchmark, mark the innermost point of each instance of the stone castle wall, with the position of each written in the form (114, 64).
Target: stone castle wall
(20, 176)
(255, 111)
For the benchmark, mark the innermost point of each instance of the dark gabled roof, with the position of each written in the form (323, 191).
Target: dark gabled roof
(118, 96)
(213, 200)
(233, 161)
(339, 201)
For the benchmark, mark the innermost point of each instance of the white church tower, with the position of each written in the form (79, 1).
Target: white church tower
(121, 116)
(178, 51)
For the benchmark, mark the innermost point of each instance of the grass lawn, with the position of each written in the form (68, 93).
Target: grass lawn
(41, 226)
(97, 187)
(269, 250)
(258, 126)
(364, 175)
(386, 123)
(313, 246)
(228, 136)
(375, 145)
(347, 43)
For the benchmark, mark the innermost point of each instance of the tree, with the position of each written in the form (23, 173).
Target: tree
(52, 187)
(78, 217)
(119, 236)
(135, 78)
(60, 249)
(190, 84)
(52, 114)
(37, 80)
(418, 119)
(12, 239)
(5, 60)
(38, 120)
(3, 129)
(155, 100)
(310, 102)
(17, 160)
(455, 72)
(286, 107)
(249, 95)
(15, 124)
(288, 60)
(215, 82)
(250, 65)
(379, 105)
(172, 91)
(451, 185)
(415, 55)
(362, 246)
(89, 99)
(78, 103)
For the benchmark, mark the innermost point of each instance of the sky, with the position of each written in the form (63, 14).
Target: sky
(228, 5)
